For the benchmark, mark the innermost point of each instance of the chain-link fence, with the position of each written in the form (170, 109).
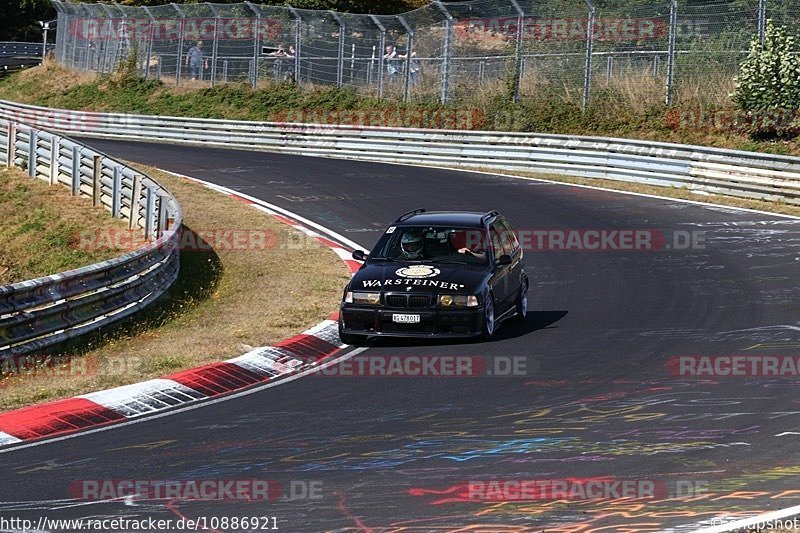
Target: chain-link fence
(442, 51)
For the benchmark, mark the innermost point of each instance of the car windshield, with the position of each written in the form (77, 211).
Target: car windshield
(432, 244)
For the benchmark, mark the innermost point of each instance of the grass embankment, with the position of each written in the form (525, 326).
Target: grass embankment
(621, 107)
(224, 300)
(42, 226)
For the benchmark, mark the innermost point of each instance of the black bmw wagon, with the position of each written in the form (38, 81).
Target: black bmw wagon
(436, 274)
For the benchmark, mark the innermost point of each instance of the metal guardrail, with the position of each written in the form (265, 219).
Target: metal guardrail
(42, 312)
(702, 169)
(19, 49)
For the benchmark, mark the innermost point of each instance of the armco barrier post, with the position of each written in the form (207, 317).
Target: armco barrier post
(76, 170)
(136, 196)
(149, 212)
(11, 146)
(97, 173)
(116, 192)
(33, 139)
(161, 223)
(55, 150)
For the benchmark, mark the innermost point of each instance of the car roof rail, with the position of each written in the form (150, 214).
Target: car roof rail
(408, 215)
(490, 214)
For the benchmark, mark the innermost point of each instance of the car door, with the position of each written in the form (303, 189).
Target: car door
(513, 248)
(501, 272)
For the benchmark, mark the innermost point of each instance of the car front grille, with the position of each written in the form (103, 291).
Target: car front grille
(396, 300)
(418, 302)
(408, 301)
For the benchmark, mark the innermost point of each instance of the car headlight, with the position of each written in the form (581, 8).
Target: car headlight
(362, 298)
(457, 300)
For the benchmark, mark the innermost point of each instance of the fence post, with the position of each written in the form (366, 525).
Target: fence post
(340, 59)
(298, 41)
(150, 36)
(55, 152)
(180, 43)
(407, 72)
(587, 73)
(76, 170)
(381, 52)
(33, 142)
(11, 146)
(444, 97)
(673, 32)
(518, 51)
(136, 196)
(762, 23)
(97, 182)
(116, 192)
(214, 45)
(256, 44)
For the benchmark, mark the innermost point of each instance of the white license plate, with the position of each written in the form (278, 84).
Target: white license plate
(405, 319)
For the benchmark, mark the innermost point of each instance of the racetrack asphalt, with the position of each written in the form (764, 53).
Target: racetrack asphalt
(595, 398)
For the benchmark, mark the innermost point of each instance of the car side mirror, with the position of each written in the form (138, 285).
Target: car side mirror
(359, 255)
(503, 260)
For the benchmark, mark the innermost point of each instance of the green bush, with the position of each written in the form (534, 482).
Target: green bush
(769, 81)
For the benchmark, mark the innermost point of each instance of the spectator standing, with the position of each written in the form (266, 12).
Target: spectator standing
(392, 61)
(277, 66)
(414, 68)
(196, 60)
(291, 58)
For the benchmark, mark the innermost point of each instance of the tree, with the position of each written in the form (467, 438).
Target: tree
(19, 19)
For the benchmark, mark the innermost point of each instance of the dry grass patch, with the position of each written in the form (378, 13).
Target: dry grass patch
(224, 300)
(42, 228)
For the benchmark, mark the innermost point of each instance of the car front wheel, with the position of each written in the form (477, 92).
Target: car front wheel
(488, 318)
(522, 301)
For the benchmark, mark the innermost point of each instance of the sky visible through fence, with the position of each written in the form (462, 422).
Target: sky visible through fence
(442, 51)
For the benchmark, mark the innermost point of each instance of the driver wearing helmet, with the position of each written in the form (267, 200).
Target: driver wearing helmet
(411, 244)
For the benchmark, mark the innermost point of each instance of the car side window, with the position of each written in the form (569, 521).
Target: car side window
(509, 236)
(500, 244)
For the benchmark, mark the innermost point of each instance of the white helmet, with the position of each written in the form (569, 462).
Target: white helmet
(411, 244)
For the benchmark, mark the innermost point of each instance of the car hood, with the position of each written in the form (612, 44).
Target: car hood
(419, 277)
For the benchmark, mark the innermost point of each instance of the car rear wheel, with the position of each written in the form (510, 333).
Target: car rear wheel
(522, 301)
(350, 338)
(489, 322)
